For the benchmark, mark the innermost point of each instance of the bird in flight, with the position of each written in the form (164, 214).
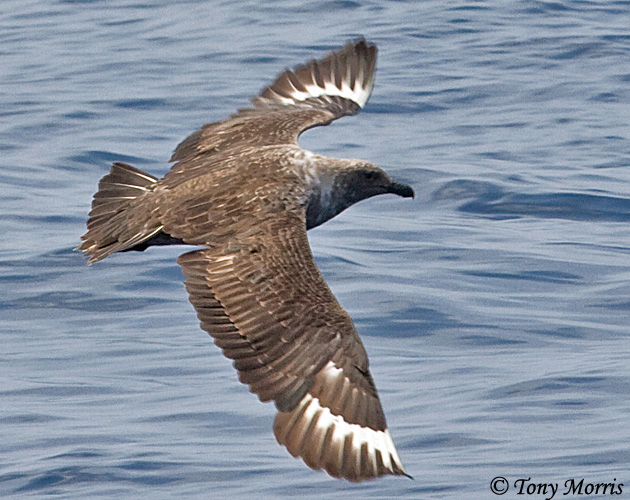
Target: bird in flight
(246, 193)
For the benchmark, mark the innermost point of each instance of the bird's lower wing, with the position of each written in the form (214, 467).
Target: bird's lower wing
(268, 308)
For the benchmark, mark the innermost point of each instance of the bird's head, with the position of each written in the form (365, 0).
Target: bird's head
(342, 183)
(360, 180)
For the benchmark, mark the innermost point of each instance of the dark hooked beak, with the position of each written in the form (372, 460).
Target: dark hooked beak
(401, 190)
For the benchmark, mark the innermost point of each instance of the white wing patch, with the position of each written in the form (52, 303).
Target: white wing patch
(357, 94)
(324, 440)
(347, 73)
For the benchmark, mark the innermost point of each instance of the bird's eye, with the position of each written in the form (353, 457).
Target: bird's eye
(369, 175)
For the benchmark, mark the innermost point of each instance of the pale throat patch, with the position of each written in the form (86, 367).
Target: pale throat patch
(319, 180)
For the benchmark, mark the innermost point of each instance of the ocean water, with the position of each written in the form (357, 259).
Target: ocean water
(495, 307)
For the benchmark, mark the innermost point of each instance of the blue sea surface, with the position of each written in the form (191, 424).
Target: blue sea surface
(495, 307)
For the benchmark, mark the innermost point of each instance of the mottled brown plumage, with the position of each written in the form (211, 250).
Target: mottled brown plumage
(246, 192)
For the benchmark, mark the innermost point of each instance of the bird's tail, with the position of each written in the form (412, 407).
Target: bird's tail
(118, 219)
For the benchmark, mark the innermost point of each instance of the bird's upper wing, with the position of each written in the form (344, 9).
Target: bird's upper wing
(268, 308)
(313, 94)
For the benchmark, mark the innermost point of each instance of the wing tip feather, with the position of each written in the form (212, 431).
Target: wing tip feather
(347, 73)
(336, 441)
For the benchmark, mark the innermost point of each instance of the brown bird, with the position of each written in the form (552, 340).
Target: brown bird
(247, 193)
